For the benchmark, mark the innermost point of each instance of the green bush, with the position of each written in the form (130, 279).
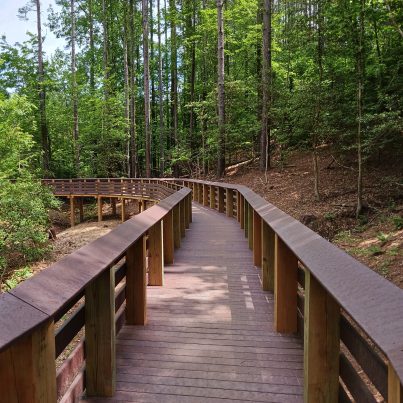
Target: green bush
(24, 222)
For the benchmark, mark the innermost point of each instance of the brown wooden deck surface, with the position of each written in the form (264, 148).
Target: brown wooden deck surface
(209, 336)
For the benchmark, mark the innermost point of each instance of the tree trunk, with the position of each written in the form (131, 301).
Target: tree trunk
(74, 89)
(160, 95)
(146, 88)
(221, 89)
(42, 96)
(174, 74)
(132, 94)
(266, 86)
(360, 103)
(92, 49)
(192, 79)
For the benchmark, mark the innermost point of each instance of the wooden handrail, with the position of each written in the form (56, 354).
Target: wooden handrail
(28, 312)
(319, 291)
(336, 282)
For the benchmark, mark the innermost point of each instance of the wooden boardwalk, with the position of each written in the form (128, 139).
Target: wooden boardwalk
(209, 336)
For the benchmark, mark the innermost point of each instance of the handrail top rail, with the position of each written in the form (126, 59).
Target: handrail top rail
(42, 296)
(374, 303)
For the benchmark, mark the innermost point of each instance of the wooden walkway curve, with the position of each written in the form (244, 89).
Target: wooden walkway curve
(209, 336)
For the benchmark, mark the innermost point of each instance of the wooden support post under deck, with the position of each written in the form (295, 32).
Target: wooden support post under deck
(99, 205)
(205, 195)
(168, 228)
(136, 283)
(268, 253)
(321, 343)
(182, 218)
(156, 259)
(28, 369)
(113, 203)
(177, 226)
(285, 288)
(395, 388)
(123, 210)
(221, 200)
(241, 211)
(250, 227)
(257, 239)
(186, 208)
(100, 367)
(72, 212)
(230, 202)
(81, 209)
(212, 196)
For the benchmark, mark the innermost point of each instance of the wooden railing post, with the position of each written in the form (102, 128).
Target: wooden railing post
(395, 388)
(230, 202)
(257, 239)
(136, 283)
(241, 211)
(250, 227)
(321, 343)
(190, 209)
(200, 193)
(268, 253)
(100, 367)
(220, 199)
(212, 197)
(186, 208)
(168, 228)
(245, 218)
(285, 288)
(28, 369)
(205, 195)
(156, 258)
(182, 218)
(177, 226)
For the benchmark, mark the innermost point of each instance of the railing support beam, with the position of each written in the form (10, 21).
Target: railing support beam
(257, 239)
(177, 226)
(268, 253)
(285, 289)
(250, 227)
(321, 343)
(395, 388)
(156, 259)
(100, 332)
(212, 197)
(229, 202)
(27, 368)
(168, 228)
(136, 283)
(221, 205)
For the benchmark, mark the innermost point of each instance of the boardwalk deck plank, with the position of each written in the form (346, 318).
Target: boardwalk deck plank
(210, 336)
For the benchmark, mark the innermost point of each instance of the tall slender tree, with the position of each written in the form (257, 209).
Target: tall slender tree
(147, 128)
(42, 95)
(160, 95)
(74, 94)
(266, 85)
(221, 89)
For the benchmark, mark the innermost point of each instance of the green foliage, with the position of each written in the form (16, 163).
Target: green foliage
(24, 202)
(24, 221)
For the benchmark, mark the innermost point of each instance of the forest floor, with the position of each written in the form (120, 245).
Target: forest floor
(376, 239)
(68, 239)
